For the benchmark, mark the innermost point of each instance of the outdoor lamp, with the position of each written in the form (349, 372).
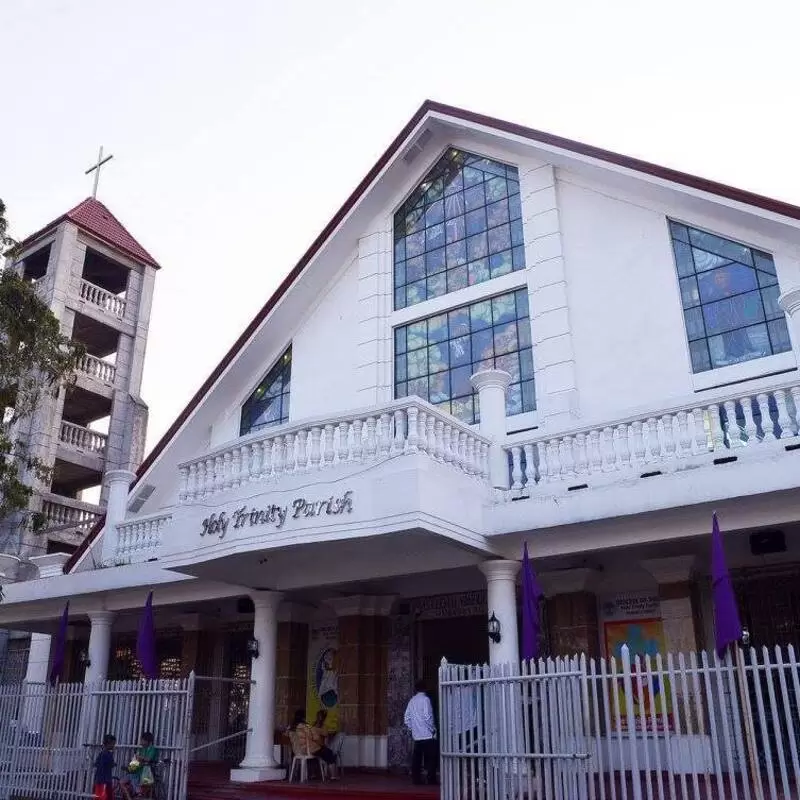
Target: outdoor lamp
(494, 629)
(83, 657)
(252, 647)
(745, 637)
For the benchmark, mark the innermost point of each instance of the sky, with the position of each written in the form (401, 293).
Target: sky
(239, 128)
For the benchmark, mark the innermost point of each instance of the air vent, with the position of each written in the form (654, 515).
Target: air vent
(418, 146)
(141, 498)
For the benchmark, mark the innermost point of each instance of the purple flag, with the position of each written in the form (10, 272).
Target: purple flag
(146, 641)
(61, 647)
(727, 627)
(531, 596)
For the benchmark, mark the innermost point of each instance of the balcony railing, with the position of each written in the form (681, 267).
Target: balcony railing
(68, 513)
(652, 444)
(80, 438)
(97, 368)
(102, 299)
(140, 539)
(404, 426)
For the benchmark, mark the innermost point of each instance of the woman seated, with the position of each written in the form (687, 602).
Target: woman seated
(311, 741)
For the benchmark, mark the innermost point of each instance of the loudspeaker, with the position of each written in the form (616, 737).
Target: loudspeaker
(763, 543)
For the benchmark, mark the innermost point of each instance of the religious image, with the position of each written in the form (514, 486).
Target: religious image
(322, 693)
(644, 637)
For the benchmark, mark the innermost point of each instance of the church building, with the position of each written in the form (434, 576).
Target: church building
(501, 337)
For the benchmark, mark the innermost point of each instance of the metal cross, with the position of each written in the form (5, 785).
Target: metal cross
(96, 169)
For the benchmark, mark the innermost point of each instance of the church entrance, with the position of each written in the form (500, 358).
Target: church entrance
(461, 640)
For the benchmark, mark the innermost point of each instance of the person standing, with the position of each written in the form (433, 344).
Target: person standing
(419, 720)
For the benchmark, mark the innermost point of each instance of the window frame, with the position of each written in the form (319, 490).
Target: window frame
(502, 159)
(747, 369)
(276, 367)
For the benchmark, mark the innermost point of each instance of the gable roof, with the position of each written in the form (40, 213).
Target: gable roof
(94, 217)
(430, 107)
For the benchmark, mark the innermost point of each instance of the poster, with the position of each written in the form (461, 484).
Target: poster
(634, 620)
(322, 690)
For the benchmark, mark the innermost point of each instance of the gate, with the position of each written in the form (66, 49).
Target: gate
(50, 735)
(510, 731)
(677, 727)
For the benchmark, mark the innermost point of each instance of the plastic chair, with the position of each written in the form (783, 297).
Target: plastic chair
(336, 746)
(301, 759)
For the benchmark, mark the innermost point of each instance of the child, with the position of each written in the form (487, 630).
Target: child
(104, 770)
(140, 771)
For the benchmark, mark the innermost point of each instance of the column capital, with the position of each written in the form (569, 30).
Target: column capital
(677, 569)
(500, 570)
(101, 618)
(490, 378)
(789, 301)
(567, 581)
(119, 476)
(266, 599)
(362, 605)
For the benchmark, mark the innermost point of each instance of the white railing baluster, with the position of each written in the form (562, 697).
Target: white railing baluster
(767, 425)
(784, 420)
(750, 427)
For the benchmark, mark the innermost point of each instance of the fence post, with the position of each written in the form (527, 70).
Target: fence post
(630, 715)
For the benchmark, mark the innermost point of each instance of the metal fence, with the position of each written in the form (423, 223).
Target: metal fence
(50, 735)
(677, 727)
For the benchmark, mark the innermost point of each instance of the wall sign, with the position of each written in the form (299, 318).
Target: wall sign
(277, 516)
(445, 606)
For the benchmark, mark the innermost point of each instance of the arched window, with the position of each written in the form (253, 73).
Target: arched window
(462, 225)
(269, 403)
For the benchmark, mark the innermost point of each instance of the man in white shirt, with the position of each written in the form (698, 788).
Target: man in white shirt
(419, 720)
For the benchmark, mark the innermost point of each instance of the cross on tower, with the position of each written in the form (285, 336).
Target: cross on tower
(96, 169)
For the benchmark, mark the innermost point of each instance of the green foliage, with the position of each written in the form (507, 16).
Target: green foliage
(36, 359)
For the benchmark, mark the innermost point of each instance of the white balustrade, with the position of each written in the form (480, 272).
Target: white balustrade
(103, 299)
(140, 539)
(403, 426)
(80, 438)
(660, 442)
(97, 368)
(64, 515)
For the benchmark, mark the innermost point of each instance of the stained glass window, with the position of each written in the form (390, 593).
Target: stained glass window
(462, 225)
(269, 403)
(435, 357)
(730, 299)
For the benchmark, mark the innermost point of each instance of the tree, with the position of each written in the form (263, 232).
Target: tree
(36, 359)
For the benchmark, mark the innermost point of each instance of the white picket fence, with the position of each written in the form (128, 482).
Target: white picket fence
(51, 735)
(677, 727)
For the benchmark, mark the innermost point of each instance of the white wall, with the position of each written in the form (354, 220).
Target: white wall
(627, 324)
(628, 332)
(324, 352)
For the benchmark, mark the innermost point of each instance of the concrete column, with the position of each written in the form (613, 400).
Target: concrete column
(572, 616)
(190, 641)
(99, 646)
(501, 599)
(789, 301)
(118, 482)
(259, 760)
(492, 386)
(674, 577)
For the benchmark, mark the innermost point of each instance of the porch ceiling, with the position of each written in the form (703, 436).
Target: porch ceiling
(333, 563)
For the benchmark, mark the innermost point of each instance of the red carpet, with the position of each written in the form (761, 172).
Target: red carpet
(210, 782)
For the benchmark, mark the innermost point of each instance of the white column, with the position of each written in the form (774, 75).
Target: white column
(492, 386)
(790, 302)
(118, 482)
(36, 677)
(259, 760)
(99, 646)
(501, 599)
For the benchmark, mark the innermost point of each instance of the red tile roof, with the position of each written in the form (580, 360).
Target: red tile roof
(94, 218)
(432, 107)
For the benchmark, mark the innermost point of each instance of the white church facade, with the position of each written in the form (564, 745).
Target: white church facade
(501, 337)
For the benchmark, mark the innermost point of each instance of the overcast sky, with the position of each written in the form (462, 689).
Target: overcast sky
(239, 127)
